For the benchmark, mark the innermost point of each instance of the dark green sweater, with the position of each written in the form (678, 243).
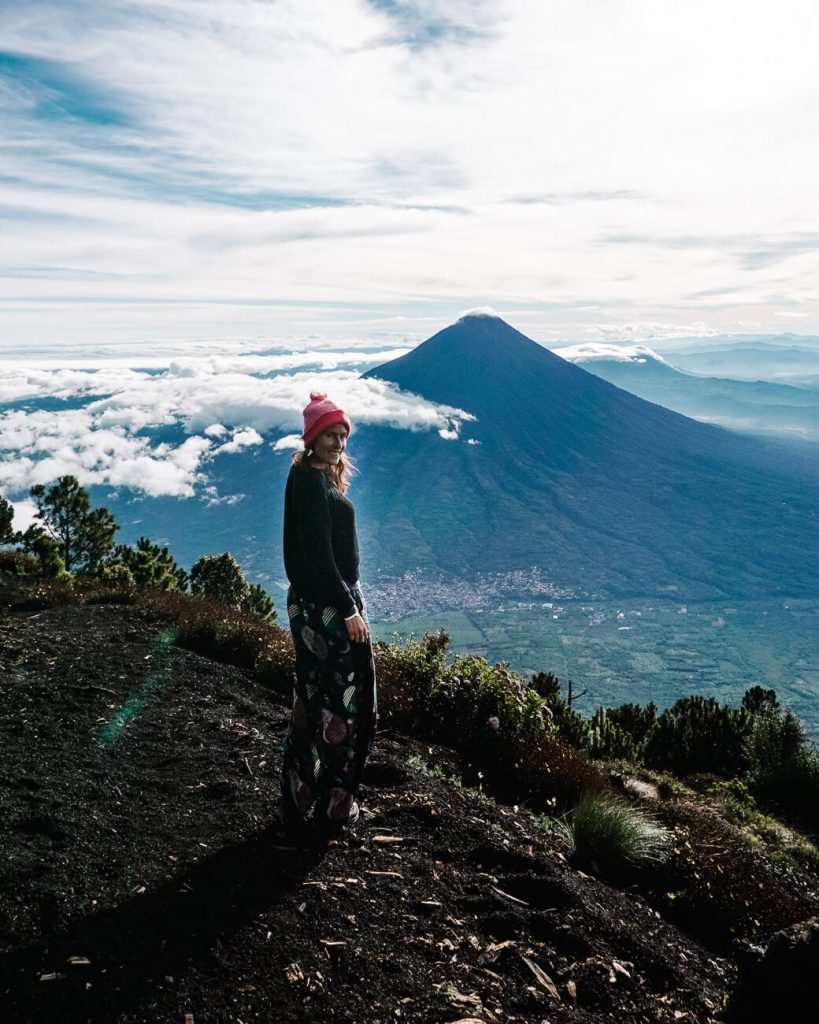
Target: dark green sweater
(320, 542)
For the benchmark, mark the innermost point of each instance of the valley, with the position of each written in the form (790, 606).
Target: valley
(622, 651)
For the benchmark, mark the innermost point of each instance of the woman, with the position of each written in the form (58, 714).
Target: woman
(333, 719)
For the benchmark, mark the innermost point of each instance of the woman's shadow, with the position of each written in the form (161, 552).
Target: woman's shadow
(132, 947)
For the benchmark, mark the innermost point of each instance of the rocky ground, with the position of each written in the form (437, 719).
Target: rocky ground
(143, 879)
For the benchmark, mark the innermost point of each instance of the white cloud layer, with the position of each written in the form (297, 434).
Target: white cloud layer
(224, 406)
(190, 169)
(593, 352)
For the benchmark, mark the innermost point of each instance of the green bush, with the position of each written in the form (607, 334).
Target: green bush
(791, 787)
(18, 563)
(698, 734)
(113, 584)
(406, 675)
(150, 565)
(473, 702)
(570, 725)
(635, 720)
(47, 552)
(607, 740)
(220, 578)
(485, 712)
(606, 830)
(226, 634)
(47, 594)
(775, 737)
(258, 602)
(466, 703)
(736, 797)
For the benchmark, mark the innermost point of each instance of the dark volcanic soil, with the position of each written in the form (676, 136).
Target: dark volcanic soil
(143, 881)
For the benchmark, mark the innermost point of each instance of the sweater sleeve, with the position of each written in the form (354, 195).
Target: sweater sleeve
(314, 533)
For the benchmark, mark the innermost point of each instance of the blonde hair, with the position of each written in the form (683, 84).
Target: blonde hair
(340, 474)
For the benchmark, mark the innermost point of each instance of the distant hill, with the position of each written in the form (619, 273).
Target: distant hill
(792, 360)
(756, 406)
(563, 470)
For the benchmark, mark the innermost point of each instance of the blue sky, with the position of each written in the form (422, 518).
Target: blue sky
(326, 169)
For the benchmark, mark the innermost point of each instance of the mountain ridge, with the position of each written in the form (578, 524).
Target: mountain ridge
(572, 473)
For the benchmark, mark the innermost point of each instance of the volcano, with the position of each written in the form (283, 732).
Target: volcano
(563, 471)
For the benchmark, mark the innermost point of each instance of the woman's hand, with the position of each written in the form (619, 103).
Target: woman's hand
(357, 629)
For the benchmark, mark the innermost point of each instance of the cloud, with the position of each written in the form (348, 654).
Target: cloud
(224, 406)
(479, 311)
(37, 447)
(241, 439)
(287, 443)
(25, 514)
(594, 351)
(650, 330)
(354, 160)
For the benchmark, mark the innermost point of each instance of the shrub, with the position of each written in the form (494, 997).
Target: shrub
(718, 884)
(608, 740)
(406, 676)
(18, 563)
(47, 594)
(485, 712)
(570, 725)
(258, 602)
(466, 704)
(698, 734)
(151, 566)
(114, 584)
(47, 552)
(792, 787)
(226, 634)
(634, 720)
(606, 830)
(544, 772)
(220, 578)
(736, 797)
(275, 661)
(473, 702)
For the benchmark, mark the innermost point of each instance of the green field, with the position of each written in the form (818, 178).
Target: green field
(633, 651)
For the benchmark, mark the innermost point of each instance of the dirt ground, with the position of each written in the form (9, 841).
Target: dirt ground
(143, 879)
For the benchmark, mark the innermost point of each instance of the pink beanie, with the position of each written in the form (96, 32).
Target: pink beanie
(320, 414)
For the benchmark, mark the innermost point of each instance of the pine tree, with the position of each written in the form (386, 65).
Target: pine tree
(84, 536)
(151, 566)
(46, 550)
(220, 578)
(259, 602)
(7, 535)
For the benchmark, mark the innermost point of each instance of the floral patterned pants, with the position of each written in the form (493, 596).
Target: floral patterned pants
(334, 713)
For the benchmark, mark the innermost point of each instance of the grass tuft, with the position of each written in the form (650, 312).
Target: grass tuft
(604, 829)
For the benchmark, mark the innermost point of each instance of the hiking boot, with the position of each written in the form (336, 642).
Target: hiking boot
(341, 808)
(340, 811)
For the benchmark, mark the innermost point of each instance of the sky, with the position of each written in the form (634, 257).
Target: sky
(212, 175)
